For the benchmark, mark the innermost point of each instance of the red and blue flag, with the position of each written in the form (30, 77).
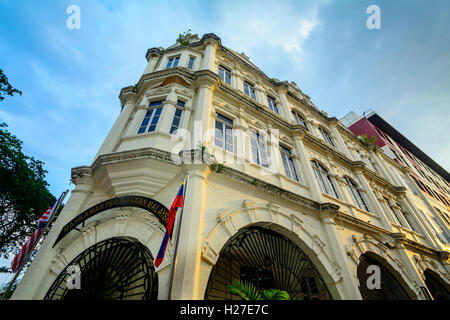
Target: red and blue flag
(177, 203)
(28, 246)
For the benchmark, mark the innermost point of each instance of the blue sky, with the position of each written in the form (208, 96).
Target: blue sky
(71, 79)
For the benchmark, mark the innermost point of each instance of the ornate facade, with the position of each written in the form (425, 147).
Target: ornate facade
(277, 195)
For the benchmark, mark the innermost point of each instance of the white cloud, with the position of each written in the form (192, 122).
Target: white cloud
(247, 25)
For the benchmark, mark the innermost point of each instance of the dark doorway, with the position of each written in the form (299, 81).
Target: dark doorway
(437, 287)
(390, 287)
(269, 260)
(114, 269)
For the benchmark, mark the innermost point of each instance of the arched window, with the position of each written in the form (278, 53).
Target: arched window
(151, 117)
(326, 136)
(357, 196)
(324, 179)
(377, 281)
(300, 120)
(114, 269)
(268, 260)
(438, 288)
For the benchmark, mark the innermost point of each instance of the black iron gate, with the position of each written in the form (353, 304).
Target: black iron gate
(438, 289)
(268, 260)
(390, 287)
(114, 269)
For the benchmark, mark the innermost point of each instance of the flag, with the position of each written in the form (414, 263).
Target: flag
(177, 203)
(41, 223)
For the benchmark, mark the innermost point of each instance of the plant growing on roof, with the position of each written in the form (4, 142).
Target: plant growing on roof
(366, 140)
(183, 38)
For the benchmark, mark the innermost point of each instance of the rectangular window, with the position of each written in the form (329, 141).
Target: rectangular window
(409, 219)
(409, 184)
(151, 117)
(363, 159)
(441, 231)
(191, 62)
(224, 133)
(259, 151)
(177, 116)
(249, 90)
(396, 214)
(272, 104)
(374, 166)
(173, 62)
(326, 137)
(299, 120)
(225, 75)
(288, 163)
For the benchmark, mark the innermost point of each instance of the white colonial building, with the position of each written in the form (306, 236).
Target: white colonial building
(278, 194)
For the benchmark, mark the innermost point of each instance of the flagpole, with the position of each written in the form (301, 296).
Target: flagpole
(177, 239)
(25, 260)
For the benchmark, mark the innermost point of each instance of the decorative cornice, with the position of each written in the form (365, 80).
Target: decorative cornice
(127, 93)
(212, 77)
(153, 53)
(268, 187)
(130, 155)
(211, 36)
(236, 175)
(206, 77)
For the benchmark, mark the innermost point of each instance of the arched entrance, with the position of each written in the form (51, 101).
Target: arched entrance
(270, 261)
(390, 286)
(438, 289)
(114, 269)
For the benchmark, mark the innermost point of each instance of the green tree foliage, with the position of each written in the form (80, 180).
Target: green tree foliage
(24, 194)
(247, 291)
(183, 38)
(6, 87)
(366, 140)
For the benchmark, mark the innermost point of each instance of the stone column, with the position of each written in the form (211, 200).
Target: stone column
(260, 95)
(136, 121)
(345, 193)
(166, 117)
(209, 56)
(372, 199)
(389, 174)
(409, 266)
(30, 285)
(377, 160)
(206, 83)
(284, 105)
(112, 139)
(327, 217)
(307, 170)
(312, 126)
(188, 262)
(152, 58)
(338, 138)
(186, 117)
(430, 207)
(236, 80)
(183, 59)
(407, 202)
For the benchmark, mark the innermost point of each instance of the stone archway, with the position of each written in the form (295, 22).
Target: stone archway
(438, 288)
(435, 279)
(118, 268)
(391, 286)
(268, 260)
(366, 245)
(281, 220)
(131, 224)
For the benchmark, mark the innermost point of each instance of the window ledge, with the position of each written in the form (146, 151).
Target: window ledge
(154, 133)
